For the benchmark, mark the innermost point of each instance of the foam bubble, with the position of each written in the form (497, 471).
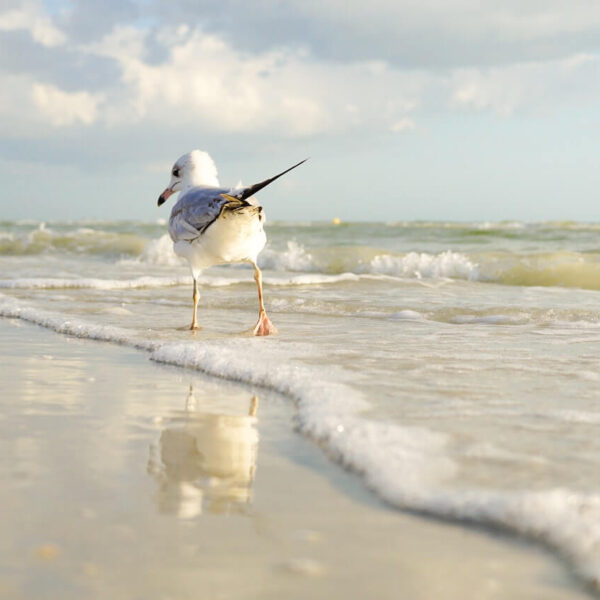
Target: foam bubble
(407, 315)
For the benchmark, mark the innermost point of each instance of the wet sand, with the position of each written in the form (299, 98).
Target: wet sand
(122, 479)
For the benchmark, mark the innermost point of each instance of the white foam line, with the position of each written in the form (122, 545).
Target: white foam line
(91, 283)
(313, 279)
(159, 282)
(406, 466)
(10, 308)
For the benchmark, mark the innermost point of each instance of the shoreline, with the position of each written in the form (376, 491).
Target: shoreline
(116, 441)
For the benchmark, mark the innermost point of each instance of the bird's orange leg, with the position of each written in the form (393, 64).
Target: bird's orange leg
(263, 325)
(195, 297)
(253, 406)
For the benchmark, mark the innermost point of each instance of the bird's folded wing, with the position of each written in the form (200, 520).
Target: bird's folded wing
(196, 210)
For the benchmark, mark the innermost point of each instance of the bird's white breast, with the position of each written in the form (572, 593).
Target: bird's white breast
(233, 237)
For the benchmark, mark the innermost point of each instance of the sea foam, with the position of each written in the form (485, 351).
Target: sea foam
(547, 269)
(446, 265)
(336, 260)
(82, 240)
(12, 308)
(91, 283)
(161, 282)
(408, 467)
(293, 258)
(160, 252)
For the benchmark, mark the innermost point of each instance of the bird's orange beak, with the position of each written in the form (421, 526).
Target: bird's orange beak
(163, 197)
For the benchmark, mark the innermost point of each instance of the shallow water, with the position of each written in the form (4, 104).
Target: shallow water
(454, 366)
(126, 479)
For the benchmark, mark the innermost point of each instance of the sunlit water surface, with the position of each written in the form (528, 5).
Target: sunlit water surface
(455, 366)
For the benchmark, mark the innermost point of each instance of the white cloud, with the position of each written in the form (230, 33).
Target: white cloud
(35, 109)
(206, 81)
(530, 87)
(203, 80)
(407, 33)
(18, 115)
(65, 108)
(405, 124)
(29, 18)
(510, 18)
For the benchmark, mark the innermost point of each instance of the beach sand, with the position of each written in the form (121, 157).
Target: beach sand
(125, 479)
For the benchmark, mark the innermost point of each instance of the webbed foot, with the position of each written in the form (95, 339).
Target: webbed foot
(264, 325)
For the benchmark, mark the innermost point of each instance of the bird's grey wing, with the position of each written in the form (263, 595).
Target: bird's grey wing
(197, 210)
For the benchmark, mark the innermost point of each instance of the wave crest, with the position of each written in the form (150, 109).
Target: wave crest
(556, 269)
(446, 265)
(369, 261)
(160, 252)
(293, 258)
(79, 241)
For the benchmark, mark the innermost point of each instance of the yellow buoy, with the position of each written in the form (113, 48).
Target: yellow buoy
(47, 551)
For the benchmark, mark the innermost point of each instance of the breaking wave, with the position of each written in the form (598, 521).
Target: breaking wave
(363, 260)
(81, 240)
(139, 244)
(564, 269)
(555, 269)
(296, 266)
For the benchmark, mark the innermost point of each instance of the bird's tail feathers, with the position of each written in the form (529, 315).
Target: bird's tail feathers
(250, 191)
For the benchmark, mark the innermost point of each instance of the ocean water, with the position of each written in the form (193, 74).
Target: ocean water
(453, 367)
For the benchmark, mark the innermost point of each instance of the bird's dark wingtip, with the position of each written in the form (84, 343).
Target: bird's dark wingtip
(249, 191)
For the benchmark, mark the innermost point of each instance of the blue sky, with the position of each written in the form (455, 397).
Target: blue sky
(438, 109)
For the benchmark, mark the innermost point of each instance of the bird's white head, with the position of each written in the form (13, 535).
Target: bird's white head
(196, 168)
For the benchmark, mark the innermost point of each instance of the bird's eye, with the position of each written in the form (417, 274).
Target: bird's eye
(176, 172)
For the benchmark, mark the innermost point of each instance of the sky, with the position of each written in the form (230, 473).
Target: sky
(463, 110)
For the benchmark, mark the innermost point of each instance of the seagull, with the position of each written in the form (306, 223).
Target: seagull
(211, 225)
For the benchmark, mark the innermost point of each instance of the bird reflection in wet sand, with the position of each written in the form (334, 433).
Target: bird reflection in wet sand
(206, 461)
